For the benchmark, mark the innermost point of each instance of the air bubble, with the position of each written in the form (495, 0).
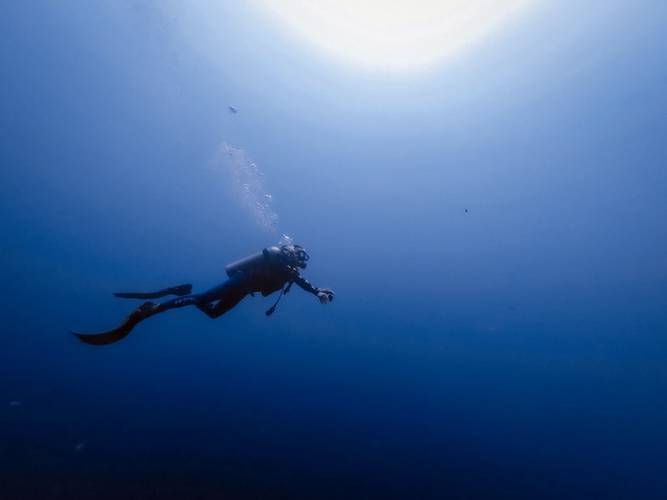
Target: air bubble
(248, 180)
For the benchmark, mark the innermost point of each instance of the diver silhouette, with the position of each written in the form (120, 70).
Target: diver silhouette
(274, 268)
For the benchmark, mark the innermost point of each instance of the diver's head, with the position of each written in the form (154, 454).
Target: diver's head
(294, 255)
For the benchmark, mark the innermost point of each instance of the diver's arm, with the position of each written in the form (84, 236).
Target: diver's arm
(324, 294)
(305, 284)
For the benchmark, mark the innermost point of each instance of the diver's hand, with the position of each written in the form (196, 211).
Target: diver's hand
(325, 295)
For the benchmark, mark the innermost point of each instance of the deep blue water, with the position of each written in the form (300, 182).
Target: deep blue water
(494, 230)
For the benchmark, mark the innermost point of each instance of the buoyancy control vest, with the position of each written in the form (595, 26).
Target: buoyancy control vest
(266, 270)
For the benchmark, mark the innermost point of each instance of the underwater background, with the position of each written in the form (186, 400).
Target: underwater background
(494, 229)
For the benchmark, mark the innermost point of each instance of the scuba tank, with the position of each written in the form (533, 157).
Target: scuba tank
(269, 254)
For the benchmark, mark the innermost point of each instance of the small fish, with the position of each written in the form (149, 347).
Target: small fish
(14, 403)
(79, 446)
(232, 109)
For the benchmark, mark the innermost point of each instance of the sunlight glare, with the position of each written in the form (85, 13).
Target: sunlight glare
(392, 34)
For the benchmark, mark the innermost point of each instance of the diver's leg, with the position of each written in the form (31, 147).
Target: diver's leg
(217, 309)
(146, 310)
(221, 299)
(227, 296)
(228, 290)
(176, 303)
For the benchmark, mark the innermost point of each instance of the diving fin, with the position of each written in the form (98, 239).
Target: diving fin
(121, 331)
(179, 291)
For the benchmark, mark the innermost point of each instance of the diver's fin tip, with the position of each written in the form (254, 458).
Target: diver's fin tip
(179, 290)
(104, 338)
(85, 338)
(89, 340)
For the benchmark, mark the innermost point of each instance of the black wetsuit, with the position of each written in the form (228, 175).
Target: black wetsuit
(265, 279)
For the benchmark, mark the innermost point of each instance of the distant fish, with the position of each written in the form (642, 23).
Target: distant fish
(79, 447)
(466, 210)
(232, 109)
(14, 403)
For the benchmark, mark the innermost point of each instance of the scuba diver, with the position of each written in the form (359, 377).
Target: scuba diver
(274, 268)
